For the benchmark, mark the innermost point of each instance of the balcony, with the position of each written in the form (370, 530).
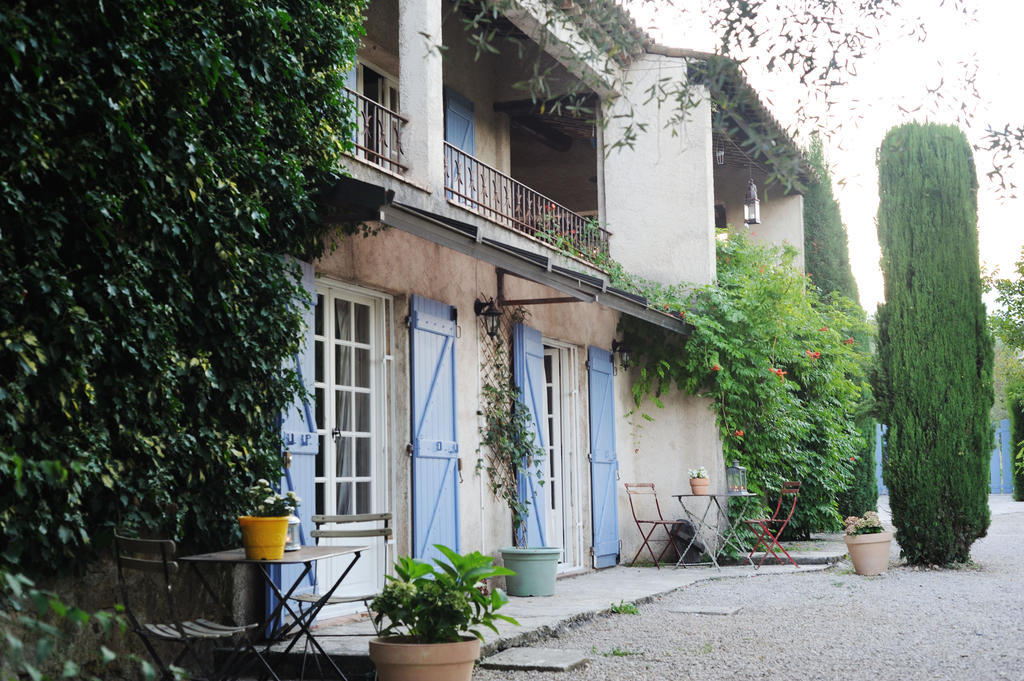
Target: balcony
(478, 187)
(379, 136)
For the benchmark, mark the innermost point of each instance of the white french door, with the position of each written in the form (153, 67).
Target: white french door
(564, 520)
(351, 338)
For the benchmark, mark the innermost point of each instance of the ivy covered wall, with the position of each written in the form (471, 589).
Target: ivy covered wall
(158, 160)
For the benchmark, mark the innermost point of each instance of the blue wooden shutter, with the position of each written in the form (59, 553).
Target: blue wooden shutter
(460, 132)
(459, 122)
(528, 371)
(298, 432)
(603, 462)
(435, 491)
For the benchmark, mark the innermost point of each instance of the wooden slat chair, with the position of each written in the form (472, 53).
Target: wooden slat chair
(649, 526)
(154, 560)
(768, 530)
(327, 528)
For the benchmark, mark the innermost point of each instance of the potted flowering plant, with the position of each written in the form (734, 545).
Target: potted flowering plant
(868, 543)
(265, 528)
(699, 481)
(428, 617)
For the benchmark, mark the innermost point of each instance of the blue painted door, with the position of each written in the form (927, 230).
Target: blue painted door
(298, 433)
(1006, 449)
(604, 464)
(435, 455)
(528, 372)
(1001, 461)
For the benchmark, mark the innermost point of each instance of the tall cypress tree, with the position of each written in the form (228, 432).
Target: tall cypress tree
(934, 373)
(826, 247)
(827, 263)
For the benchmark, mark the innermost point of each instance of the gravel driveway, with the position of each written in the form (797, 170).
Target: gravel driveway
(834, 625)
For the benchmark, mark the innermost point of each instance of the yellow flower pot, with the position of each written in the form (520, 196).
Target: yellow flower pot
(263, 538)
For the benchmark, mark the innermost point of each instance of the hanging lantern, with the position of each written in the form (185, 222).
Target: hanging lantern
(751, 206)
(736, 478)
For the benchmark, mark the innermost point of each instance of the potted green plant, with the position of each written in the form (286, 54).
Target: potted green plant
(428, 617)
(868, 543)
(509, 455)
(699, 481)
(265, 529)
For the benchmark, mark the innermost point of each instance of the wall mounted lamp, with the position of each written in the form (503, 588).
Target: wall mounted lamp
(491, 314)
(623, 351)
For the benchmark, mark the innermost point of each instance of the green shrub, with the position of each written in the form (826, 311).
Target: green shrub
(934, 374)
(862, 494)
(780, 366)
(37, 625)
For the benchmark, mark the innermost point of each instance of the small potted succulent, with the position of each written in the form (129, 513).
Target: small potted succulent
(699, 481)
(265, 529)
(868, 543)
(428, 617)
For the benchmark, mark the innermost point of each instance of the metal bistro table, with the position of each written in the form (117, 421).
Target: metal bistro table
(306, 556)
(702, 524)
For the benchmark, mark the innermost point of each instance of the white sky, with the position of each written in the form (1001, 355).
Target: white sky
(897, 73)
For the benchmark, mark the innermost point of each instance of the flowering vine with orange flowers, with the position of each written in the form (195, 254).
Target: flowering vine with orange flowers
(778, 364)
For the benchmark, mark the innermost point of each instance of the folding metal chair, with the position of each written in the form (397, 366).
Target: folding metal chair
(155, 559)
(768, 530)
(639, 490)
(338, 527)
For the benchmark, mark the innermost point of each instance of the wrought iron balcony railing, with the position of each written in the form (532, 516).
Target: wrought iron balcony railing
(379, 138)
(507, 202)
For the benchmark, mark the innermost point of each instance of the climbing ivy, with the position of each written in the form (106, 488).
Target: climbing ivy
(778, 364)
(158, 161)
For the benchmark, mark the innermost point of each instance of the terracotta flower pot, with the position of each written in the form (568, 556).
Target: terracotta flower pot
(699, 485)
(263, 538)
(869, 552)
(399, 658)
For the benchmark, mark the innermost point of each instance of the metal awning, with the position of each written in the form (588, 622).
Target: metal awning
(466, 238)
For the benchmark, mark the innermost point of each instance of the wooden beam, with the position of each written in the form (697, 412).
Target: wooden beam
(547, 134)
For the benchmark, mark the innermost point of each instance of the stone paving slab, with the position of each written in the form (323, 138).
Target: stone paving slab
(706, 610)
(536, 659)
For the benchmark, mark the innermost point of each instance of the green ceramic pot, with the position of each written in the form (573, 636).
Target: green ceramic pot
(535, 570)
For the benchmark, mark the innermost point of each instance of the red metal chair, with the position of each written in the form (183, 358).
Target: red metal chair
(637, 490)
(768, 530)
